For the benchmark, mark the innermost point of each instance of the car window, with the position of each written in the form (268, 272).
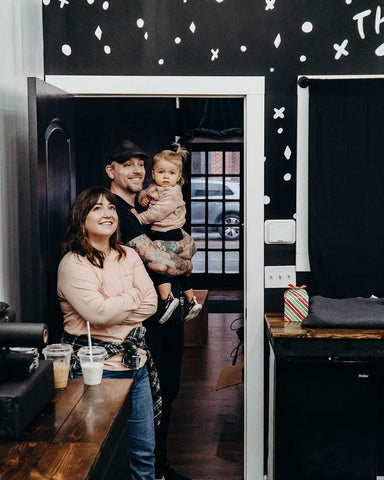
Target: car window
(215, 190)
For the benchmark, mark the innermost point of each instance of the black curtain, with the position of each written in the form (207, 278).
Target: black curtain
(346, 187)
(210, 113)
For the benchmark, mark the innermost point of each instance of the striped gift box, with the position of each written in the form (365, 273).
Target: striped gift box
(295, 303)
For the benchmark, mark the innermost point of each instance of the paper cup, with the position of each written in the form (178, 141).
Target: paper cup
(92, 369)
(60, 354)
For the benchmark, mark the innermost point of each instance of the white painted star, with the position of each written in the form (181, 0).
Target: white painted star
(63, 2)
(215, 54)
(279, 113)
(341, 49)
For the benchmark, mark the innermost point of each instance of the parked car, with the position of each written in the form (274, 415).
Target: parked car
(216, 210)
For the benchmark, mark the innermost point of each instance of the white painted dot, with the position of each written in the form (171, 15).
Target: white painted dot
(91, 1)
(271, 69)
(140, 22)
(177, 40)
(287, 177)
(303, 58)
(219, 1)
(307, 27)
(105, 5)
(267, 200)
(348, 2)
(146, 35)
(280, 131)
(161, 61)
(107, 49)
(66, 49)
(243, 48)
(46, 2)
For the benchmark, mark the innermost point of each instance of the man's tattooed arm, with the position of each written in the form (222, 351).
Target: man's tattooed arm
(161, 259)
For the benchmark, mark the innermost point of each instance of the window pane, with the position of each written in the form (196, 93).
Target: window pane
(198, 234)
(231, 244)
(232, 163)
(198, 162)
(232, 261)
(215, 187)
(198, 262)
(215, 262)
(215, 162)
(197, 212)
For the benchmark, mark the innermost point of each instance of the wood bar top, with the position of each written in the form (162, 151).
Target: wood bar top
(291, 339)
(74, 437)
(280, 328)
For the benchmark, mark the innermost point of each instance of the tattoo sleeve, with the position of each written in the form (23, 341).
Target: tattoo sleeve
(159, 258)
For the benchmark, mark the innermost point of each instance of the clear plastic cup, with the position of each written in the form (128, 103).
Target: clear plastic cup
(92, 367)
(60, 354)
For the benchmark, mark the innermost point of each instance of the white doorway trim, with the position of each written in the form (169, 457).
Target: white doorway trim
(251, 89)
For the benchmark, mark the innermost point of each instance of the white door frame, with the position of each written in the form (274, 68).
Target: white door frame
(251, 89)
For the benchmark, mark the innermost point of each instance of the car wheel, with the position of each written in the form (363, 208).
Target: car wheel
(232, 227)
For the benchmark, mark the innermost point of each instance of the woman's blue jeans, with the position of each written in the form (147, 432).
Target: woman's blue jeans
(141, 433)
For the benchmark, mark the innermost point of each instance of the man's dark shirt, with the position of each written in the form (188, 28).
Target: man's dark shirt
(130, 226)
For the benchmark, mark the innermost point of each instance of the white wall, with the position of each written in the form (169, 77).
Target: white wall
(21, 53)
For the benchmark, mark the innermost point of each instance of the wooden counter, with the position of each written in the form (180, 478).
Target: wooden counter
(291, 339)
(76, 437)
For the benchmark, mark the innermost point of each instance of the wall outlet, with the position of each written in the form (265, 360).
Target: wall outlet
(279, 276)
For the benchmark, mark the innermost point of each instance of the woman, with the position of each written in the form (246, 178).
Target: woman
(106, 284)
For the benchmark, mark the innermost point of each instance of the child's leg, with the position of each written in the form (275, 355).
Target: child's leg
(188, 294)
(162, 284)
(186, 287)
(164, 290)
(191, 307)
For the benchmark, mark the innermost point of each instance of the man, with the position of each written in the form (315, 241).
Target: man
(126, 171)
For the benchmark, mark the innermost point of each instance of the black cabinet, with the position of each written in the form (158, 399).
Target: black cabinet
(325, 412)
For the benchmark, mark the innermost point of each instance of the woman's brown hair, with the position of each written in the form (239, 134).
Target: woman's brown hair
(76, 238)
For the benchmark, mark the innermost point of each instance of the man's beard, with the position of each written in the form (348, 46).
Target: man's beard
(134, 189)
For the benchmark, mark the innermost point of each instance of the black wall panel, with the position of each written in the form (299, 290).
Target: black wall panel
(278, 39)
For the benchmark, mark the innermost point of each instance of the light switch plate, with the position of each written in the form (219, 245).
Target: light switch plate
(279, 276)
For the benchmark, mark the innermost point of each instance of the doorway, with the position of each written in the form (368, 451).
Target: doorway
(213, 172)
(251, 90)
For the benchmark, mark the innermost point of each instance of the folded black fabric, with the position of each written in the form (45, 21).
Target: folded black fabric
(356, 312)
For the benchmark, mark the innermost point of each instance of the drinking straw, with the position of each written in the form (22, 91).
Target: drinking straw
(89, 341)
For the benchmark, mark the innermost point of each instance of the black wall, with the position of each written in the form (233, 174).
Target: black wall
(279, 39)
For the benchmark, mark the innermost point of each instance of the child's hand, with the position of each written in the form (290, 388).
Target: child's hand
(144, 200)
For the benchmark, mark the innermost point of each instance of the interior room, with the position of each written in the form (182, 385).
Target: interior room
(279, 103)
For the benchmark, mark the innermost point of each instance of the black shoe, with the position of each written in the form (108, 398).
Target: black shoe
(166, 308)
(170, 474)
(192, 309)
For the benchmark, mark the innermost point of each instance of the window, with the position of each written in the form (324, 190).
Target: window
(216, 216)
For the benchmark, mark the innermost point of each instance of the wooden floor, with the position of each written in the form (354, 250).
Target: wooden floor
(206, 432)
